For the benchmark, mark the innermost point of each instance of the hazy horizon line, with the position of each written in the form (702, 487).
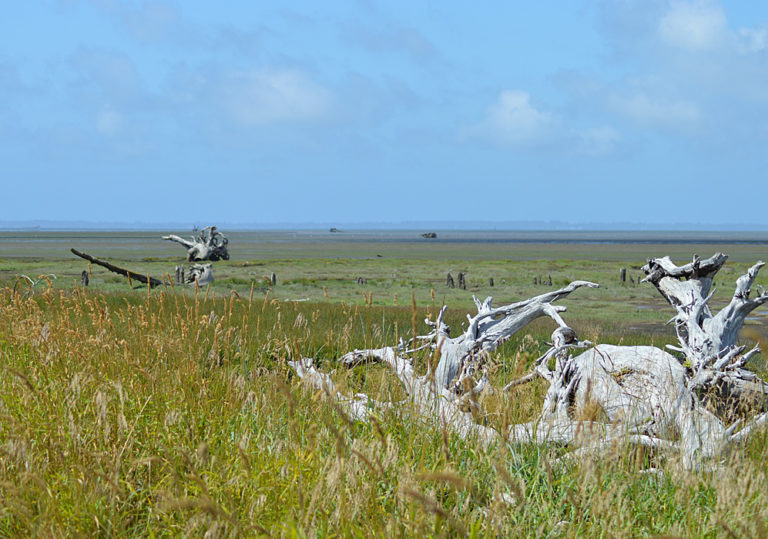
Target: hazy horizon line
(552, 225)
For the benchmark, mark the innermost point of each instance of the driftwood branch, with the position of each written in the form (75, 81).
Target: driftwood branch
(151, 281)
(636, 395)
(707, 340)
(209, 244)
(463, 357)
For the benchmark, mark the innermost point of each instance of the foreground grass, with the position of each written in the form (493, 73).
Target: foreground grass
(165, 414)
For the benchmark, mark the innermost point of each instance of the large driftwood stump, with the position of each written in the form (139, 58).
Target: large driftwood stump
(684, 405)
(210, 244)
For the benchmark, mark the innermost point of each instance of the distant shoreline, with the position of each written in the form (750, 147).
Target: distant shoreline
(586, 237)
(37, 225)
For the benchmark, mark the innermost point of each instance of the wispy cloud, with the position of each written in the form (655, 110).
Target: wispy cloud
(392, 39)
(696, 26)
(267, 96)
(151, 20)
(647, 110)
(513, 120)
(597, 141)
(108, 121)
(257, 97)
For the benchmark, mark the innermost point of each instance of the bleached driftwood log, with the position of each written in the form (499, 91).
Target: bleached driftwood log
(200, 274)
(637, 395)
(435, 397)
(210, 244)
(461, 358)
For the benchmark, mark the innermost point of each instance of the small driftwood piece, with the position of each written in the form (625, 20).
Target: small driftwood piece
(134, 276)
(644, 396)
(210, 244)
(199, 274)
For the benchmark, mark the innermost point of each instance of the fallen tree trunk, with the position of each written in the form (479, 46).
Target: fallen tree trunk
(637, 395)
(210, 244)
(134, 276)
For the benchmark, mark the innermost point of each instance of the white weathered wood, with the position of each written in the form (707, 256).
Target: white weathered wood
(210, 244)
(463, 357)
(635, 395)
(708, 341)
(199, 274)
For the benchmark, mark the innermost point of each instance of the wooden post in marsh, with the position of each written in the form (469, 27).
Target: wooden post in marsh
(449, 281)
(623, 275)
(273, 279)
(462, 282)
(84, 278)
(490, 282)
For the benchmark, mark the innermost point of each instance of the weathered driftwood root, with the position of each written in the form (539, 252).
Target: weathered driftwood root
(433, 398)
(462, 358)
(707, 341)
(210, 244)
(199, 274)
(146, 279)
(636, 395)
(196, 274)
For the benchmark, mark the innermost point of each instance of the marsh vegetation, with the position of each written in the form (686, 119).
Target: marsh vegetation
(135, 412)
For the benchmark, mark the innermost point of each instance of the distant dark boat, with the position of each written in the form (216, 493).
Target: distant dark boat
(429, 235)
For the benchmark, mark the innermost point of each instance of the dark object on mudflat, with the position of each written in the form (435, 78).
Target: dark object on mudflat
(121, 271)
(333, 229)
(429, 235)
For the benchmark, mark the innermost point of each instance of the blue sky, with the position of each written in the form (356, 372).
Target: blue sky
(270, 112)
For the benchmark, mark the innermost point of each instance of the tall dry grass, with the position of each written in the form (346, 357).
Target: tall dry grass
(165, 414)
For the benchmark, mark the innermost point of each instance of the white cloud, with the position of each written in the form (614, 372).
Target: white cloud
(513, 120)
(270, 96)
(643, 109)
(694, 26)
(109, 122)
(753, 39)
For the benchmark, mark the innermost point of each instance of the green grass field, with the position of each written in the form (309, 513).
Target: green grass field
(134, 412)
